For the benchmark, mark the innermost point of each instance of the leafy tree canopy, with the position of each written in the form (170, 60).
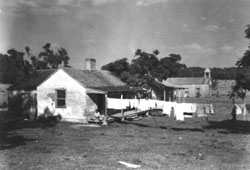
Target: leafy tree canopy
(49, 59)
(14, 67)
(244, 61)
(117, 67)
(146, 68)
(243, 76)
(228, 73)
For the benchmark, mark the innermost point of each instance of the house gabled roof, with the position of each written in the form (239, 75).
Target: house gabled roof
(94, 78)
(87, 78)
(188, 81)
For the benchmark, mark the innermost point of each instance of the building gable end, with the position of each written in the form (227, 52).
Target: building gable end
(60, 73)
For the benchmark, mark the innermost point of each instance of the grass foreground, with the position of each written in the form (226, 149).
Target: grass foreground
(156, 142)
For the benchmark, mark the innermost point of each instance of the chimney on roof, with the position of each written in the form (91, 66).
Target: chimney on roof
(90, 64)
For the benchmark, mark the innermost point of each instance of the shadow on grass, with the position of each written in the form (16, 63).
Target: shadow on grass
(10, 139)
(162, 127)
(188, 129)
(228, 126)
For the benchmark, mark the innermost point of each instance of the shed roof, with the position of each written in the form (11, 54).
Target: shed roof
(188, 80)
(89, 79)
(119, 89)
(170, 85)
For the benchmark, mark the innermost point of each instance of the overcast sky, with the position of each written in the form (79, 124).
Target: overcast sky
(204, 32)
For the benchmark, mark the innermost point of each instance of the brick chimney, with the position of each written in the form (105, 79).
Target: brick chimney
(90, 64)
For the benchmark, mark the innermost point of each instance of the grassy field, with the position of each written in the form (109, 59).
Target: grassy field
(155, 142)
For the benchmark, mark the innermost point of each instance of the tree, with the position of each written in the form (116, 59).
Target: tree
(227, 73)
(243, 77)
(247, 32)
(244, 61)
(143, 68)
(146, 70)
(14, 67)
(191, 72)
(241, 87)
(4, 64)
(145, 62)
(224, 73)
(117, 67)
(169, 67)
(214, 84)
(49, 59)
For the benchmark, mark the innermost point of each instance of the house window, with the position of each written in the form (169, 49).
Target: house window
(61, 98)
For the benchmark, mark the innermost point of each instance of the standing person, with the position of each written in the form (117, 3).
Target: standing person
(234, 116)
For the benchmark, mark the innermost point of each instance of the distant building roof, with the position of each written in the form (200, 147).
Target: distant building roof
(170, 85)
(89, 79)
(187, 80)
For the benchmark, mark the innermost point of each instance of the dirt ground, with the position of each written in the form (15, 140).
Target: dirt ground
(157, 142)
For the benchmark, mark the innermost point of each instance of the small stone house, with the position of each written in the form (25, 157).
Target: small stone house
(192, 86)
(4, 95)
(71, 93)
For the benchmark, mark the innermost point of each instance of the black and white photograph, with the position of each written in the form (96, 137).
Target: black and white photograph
(124, 84)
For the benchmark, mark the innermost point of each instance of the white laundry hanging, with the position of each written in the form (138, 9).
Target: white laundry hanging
(160, 104)
(179, 111)
(238, 109)
(114, 103)
(211, 109)
(168, 106)
(189, 107)
(144, 105)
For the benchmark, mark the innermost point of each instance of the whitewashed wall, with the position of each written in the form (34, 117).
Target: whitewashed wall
(204, 90)
(79, 105)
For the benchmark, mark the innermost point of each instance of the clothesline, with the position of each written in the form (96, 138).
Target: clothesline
(178, 109)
